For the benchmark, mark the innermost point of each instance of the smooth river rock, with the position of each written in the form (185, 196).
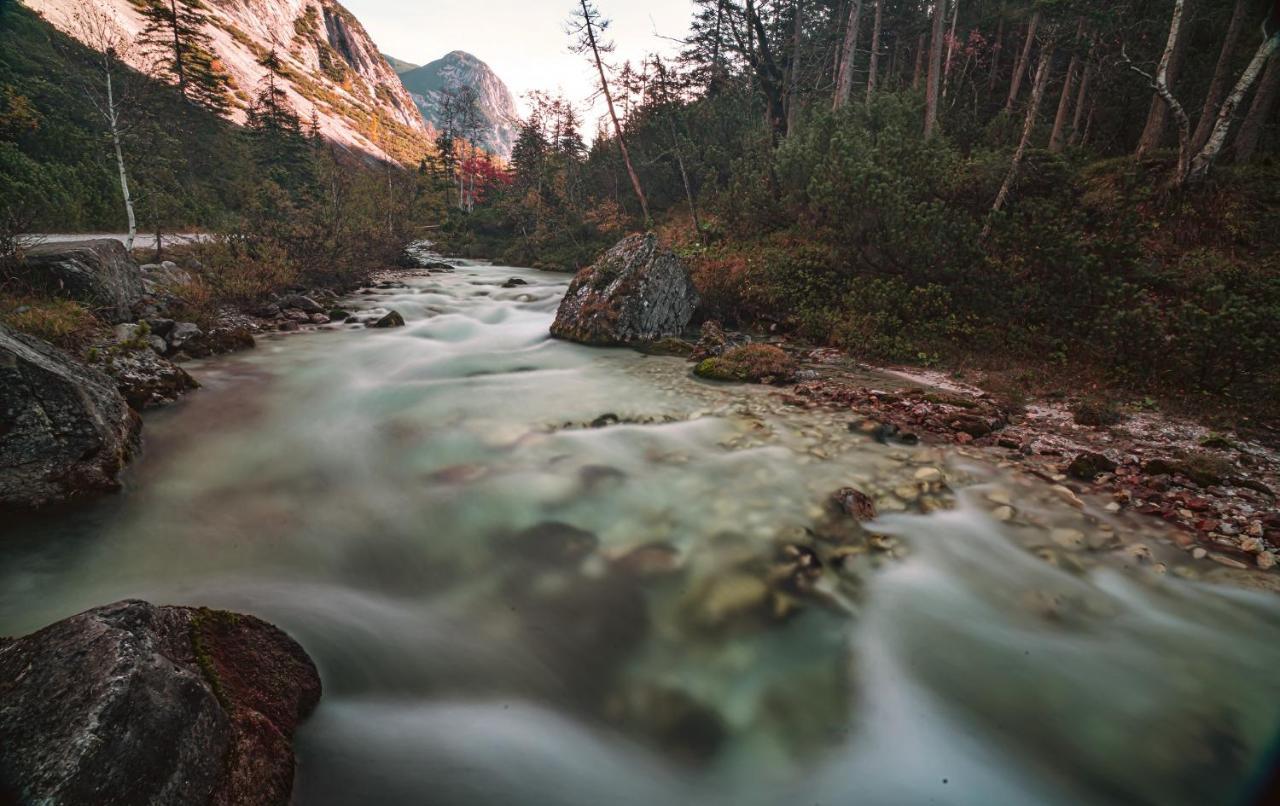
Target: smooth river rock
(133, 703)
(638, 291)
(65, 429)
(98, 272)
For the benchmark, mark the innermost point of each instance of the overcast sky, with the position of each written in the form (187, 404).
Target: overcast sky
(524, 41)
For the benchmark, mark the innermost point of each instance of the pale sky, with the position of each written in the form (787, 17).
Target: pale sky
(524, 41)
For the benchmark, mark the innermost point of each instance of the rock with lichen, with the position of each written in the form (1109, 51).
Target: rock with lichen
(161, 705)
(636, 292)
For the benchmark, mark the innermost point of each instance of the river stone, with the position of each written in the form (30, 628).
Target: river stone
(854, 503)
(228, 339)
(1088, 465)
(550, 543)
(638, 291)
(66, 429)
(133, 703)
(301, 303)
(182, 334)
(144, 378)
(98, 272)
(392, 319)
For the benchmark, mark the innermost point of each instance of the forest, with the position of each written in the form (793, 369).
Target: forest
(1086, 190)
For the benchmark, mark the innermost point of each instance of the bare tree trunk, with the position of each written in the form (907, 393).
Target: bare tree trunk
(1028, 126)
(1170, 63)
(684, 177)
(1204, 160)
(997, 49)
(1077, 134)
(951, 47)
(844, 83)
(113, 122)
(1259, 112)
(1020, 67)
(875, 51)
(1057, 139)
(895, 63)
(793, 89)
(934, 80)
(920, 53)
(1221, 75)
(613, 114)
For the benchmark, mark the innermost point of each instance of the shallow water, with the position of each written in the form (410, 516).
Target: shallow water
(369, 491)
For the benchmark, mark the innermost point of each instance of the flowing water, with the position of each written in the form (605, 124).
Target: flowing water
(532, 572)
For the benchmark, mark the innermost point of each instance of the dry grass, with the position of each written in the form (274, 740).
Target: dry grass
(67, 324)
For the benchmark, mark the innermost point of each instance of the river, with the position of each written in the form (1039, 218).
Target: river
(532, 572)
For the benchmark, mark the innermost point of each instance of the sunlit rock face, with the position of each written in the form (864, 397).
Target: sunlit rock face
(497, 107)
(333, 69)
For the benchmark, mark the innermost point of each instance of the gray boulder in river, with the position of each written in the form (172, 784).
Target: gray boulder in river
(97, 272)
(65, 430)
(636, 292)
(133, 703)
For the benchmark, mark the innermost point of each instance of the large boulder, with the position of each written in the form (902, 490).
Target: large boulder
(133, 703)
(98, 272)
(65, 430)
(636, 292)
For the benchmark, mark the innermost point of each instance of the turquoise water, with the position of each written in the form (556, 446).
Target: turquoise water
(508, 605)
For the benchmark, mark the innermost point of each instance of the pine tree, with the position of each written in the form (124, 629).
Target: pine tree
(175, 32)
(281, 147)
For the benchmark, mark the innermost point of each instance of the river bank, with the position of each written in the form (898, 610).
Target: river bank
(530, 570)
(391, 498)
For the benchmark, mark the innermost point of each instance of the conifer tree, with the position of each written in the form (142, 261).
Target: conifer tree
(175, 34)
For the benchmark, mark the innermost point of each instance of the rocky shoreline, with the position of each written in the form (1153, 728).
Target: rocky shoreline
(62, 447)
(1217, 490)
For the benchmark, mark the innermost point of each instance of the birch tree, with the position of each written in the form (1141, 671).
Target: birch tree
(1170, 65)
(109, 93)
(1264, 100)
(1194, 166)
(1221, 74)
(1024, 58)
(1205, 158)
(1028, 127)
(848, 50)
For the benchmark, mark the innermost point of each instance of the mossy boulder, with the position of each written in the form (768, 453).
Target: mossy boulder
(637, 292)
(752, 363)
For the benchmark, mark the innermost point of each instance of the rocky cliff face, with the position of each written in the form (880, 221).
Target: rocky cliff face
(332, 67)
(428, 83)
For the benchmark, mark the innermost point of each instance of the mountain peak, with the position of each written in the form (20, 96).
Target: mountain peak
(427, 85)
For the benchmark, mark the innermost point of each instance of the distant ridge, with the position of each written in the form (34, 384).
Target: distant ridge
(427, 84)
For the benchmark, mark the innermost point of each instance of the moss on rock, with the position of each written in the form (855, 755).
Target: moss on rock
(752, 363)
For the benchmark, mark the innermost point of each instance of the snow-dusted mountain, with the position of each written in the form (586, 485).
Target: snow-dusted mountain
(459, 69)
(331, 65)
